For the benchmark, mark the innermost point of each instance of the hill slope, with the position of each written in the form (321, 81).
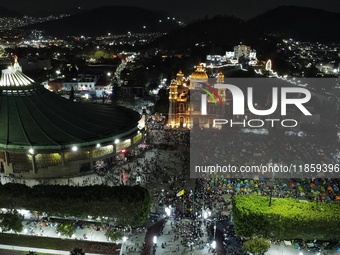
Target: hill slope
(109, 19)
(301, 23)
(212, 36)
(8, 13)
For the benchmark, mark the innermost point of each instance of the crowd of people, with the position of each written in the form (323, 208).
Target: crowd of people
(303, 157)
(232, 244)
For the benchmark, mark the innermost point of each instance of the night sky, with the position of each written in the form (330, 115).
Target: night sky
(184, 9)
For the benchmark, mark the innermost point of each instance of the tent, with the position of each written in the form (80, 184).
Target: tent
(287, 243)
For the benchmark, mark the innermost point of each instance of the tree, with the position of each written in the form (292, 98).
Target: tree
(113, 95)
(256, 246)
(312, 71)
(11, 220)
(67, 229)
(72, 94)
(113, 235)
(128, 205)
(285, 219)
(77, 251)
(31, 253)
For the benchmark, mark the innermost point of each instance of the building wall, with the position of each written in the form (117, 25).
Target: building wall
(63, 163)
(230, 54)
(242, 50)
(78, 85)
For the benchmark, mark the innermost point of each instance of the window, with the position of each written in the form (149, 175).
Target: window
(181, 107)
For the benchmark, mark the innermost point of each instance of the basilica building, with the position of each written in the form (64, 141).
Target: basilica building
(43, 135)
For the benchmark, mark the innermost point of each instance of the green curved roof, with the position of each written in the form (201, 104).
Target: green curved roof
(32, 116)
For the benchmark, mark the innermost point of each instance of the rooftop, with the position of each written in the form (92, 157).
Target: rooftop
(32, 116)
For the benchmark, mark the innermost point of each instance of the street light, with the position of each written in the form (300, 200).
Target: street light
(193, 200)
(205, 215)
(167, 211)
(124, 239)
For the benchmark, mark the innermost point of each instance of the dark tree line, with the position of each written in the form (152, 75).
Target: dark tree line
(127, 205)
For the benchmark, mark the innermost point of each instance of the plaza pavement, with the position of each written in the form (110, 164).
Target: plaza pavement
(37, 250)
(289, 250)
(174, 246)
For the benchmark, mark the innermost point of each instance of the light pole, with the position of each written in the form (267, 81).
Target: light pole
(193, 201)
(124, 239)
(214, 228)
(213, 246)
(168, 211)
(204, 197)
(270, 196)
(271, 186)
(154, 240)
(91, 233)
(205, 215)
(183, 205)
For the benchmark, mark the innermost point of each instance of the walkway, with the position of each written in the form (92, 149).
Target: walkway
(37, 250)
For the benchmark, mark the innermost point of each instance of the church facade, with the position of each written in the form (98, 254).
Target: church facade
(185, 107)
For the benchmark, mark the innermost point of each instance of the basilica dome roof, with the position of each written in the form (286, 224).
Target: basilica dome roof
(32, 116)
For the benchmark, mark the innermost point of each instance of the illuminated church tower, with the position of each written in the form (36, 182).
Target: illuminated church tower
(221, 92)
(179, 102)
(172, 103)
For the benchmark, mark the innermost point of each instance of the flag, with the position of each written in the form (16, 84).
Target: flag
(180, 193)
